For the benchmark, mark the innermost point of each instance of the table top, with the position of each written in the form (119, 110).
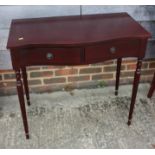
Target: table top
(73, 30)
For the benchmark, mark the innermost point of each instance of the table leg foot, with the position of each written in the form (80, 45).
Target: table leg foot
(27, 136)
(116, 92)
(129, 122)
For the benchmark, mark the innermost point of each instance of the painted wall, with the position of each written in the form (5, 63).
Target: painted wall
(145, 15)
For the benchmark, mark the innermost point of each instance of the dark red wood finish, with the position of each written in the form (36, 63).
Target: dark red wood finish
(134, 89)
(21, 101)
(59, 56)
(119, 62)
(152, 88)
(25, 82)
(73, 30)
(123, 47)
(76, 40)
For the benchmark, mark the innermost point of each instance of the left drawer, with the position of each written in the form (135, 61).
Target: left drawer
(51, 56)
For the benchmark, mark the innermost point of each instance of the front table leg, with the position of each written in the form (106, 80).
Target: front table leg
(24, 74)
(134, 89)
(21, 101)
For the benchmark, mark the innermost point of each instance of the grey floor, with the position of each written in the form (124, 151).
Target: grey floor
(87, 118)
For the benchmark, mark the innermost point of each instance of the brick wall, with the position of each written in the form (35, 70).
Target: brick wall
(52, 78)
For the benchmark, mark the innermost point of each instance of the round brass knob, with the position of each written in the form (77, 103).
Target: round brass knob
(112, 49)
(49, 56)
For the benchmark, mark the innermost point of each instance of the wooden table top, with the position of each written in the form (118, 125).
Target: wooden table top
(73, 30)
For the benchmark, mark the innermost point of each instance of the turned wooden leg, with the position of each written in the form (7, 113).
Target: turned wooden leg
(21, 101)
(152, 88)
(24, 74)
(119, 61)
(134, 89)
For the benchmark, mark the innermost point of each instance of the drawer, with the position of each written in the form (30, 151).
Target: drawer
(112, 50)
(51, 56)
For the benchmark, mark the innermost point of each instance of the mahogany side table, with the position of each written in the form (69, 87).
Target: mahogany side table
(75, 40)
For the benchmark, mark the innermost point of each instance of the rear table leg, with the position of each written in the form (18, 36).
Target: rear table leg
(152, 88)
(119, 61)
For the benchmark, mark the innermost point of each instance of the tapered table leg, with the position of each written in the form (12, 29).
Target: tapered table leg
(134, 89)
(119, 61)
(152, 88)
(21, 101)
(24, 74)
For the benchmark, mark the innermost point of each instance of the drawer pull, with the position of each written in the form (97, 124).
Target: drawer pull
(49, 56)
(112, 49)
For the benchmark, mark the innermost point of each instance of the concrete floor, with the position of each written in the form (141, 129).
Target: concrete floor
(87, 118)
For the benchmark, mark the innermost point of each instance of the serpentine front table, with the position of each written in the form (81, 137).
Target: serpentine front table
(75, 40)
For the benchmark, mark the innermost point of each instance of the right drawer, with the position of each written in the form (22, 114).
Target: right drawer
(112, 50)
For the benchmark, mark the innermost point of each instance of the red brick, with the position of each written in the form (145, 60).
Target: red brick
(131, 66)
(13, 83)
(34, 82)
(90, 70)
(127, 74)
(7, 84)
(66, 72)
(112, 68)
(125, 61)
(152, 65)
(78, 78)
(148, 72)
(102, 76)
(9, 76)
(41, 74)
(55, 80)
(144, 65)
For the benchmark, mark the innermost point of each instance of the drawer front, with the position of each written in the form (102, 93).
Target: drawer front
(112, 50)
(52, 56)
